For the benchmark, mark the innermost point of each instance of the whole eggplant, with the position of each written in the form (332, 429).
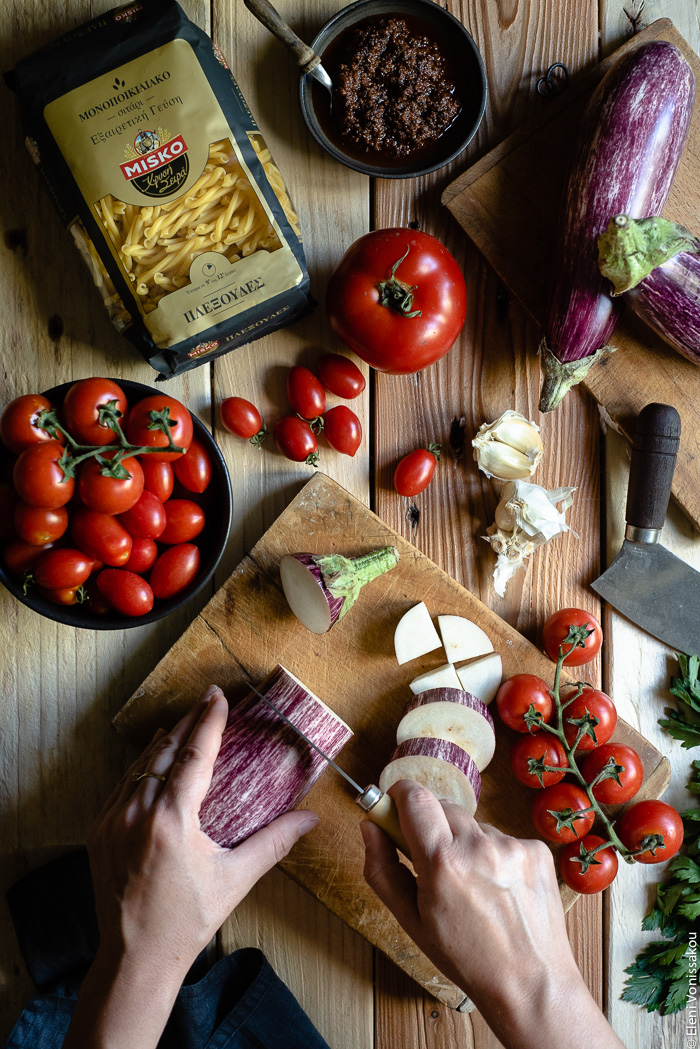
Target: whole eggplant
(654, 264)
(627, 152)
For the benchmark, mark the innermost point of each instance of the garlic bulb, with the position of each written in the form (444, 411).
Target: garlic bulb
(512, 549)
(509, 448)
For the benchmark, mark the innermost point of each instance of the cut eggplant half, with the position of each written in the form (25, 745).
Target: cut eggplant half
(415, 634)
(442, 767)
(482, 677)
(321, 589)
(442, 677)
(452, 715)
(463, 639)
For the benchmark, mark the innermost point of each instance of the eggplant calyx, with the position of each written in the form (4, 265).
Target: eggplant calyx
(345, 576)
(560, 376)
(630, 248)
(395, 294)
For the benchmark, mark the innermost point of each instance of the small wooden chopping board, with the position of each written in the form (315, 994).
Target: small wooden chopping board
(508, 203)
(248, 627)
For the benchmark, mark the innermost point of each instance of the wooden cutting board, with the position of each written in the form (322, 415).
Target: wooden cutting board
(248, 627)
(508, 203)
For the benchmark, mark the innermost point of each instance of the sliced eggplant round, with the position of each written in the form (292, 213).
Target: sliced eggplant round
(442, 767)
(452, 715)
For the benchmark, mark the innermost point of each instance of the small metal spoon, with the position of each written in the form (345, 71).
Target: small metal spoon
(305, 57)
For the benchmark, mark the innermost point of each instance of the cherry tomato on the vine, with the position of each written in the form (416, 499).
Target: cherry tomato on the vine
(557, 628)
(305, 393)
(608, 791)
(515, 697)
(125, 591)
(242, 419)
(107, 494)
(157, 477)
(340, 375)
(598, 705)
(18, 423)
(183, 521)
(342, 429)
(599, 874)
(296, 440)
(193, 471)
(39, 525)
(645, 819)
(174, 570)
(62, 568)
(38, 479)
(543, 747)
(566, 799)
(81, 410)
(140, 429)
(415, 471)
(101, 536)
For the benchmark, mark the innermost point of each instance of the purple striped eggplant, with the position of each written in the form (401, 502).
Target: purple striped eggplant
(627, 152)
(654, 264)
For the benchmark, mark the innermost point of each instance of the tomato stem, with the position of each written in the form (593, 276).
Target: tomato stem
(396, 295)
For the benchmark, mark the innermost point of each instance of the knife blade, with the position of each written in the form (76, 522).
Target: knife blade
(377, 805)
(648, 584)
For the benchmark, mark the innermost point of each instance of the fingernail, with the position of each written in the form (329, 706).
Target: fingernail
(211, 692)
(365, 831)
(159, 732)
(309, 824)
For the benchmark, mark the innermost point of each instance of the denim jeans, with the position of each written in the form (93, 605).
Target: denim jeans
(239, 1003)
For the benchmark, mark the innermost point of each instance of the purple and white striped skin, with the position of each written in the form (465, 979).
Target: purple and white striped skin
(668, 300)
(263, 767)
(298, 573)
(452, 715)
(627, 152)
(442, 767)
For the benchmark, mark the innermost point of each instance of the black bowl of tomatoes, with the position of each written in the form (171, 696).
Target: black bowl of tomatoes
(140, 514)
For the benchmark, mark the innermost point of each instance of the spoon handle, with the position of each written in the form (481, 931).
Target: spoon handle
(272, 20)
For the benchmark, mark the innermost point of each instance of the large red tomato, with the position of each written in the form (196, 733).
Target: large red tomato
(108, 494)
(398, 299)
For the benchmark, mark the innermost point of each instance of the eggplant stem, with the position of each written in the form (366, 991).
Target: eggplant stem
(345, 576)
(560, 376)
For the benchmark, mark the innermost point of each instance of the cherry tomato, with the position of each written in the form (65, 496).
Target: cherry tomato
(125, 591)
(62, 568)
(146, 519)
(193, 471)
(594, 702)
(517, 694)
(139, 421)
(39, 525)
(556, 629)
(415, 471)
(599, 875)
(20, 556)
(183, 521)
(242, 419)
(646, 819)
(174, 570)
(567, 799)
(305, 393)
(81, 410)
(72, 595)
(38, 479)
(18, 423)
(295, 440)
(95, 601)
(107, 494)
(342, 429)
(398, 299)
(143, 556)
(541, 746)
(340, 375)
(608, 791)
(157, 477)
(101, 536)
(8, 504)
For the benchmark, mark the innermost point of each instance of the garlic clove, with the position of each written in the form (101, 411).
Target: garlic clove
(502, 461)
(509, 448)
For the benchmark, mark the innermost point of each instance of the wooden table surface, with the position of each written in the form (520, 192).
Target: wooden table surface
(61, 687)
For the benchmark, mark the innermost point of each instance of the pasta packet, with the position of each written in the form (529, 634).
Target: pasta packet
(164, 181)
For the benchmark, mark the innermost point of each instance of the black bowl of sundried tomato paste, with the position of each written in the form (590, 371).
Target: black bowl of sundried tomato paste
(409, 88)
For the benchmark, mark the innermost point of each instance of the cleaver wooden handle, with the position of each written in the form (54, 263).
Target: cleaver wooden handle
(654, 448)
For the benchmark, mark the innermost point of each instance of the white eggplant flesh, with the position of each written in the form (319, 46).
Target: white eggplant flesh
(442, 677)
(442, 767)
(415, 634)
(483, 677)
(463, 639)
(306, 594)
(452, 715)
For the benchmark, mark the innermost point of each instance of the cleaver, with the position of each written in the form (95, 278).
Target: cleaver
(647, 583)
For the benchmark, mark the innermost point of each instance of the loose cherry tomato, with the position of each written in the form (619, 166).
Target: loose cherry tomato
(242, 419)
(40, 525)
(140, 427)
(18, 423)
(101, 536)
(143, 556)
(415, 471)
(340, 375)
(125, 591)
(295, 440)
(38, 479)
(591, 702)
(81, 410)
(644, 824)
(193, 471)
(608, 791)
(557, 628)
(305, 393)
(146, 519)
(398, 299)
(108, 494)
(8, 504)
(517, 694)
(157, 477)
(20, 556)
(567, 800)
(543, 747)
(599, 874)
(62, 568)
(183, 521)
(174, 570)
(71, 595)
(342, 429)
